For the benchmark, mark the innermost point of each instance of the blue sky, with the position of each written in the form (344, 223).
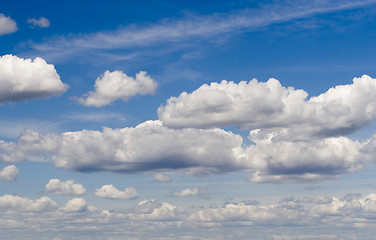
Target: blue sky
(187, 120)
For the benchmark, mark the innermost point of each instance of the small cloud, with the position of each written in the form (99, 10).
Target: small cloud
(115, 85)
(41, 22)
(161, 177)
(68, 187)
(9, 173)
(189, 193)
(109, 191)
(75, 205)
(7, 25)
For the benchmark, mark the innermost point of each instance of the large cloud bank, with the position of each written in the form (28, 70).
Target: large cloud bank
(27, 79)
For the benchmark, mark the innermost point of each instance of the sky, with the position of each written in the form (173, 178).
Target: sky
(187, 119)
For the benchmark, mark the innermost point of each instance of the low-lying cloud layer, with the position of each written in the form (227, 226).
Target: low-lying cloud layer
(45, 216)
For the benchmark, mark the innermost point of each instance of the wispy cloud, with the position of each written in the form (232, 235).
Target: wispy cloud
(192, 27)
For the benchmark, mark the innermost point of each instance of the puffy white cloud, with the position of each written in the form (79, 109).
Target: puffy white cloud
(68, 187)
(118, 85)
(274, 111)
(75, 205)
(7, 25)
(152, 210)
(16, 203)
(9, 173)
(189, 192)
(161, 177)
(27, 79)
(152, 147)
(109, 191)
(42, 22)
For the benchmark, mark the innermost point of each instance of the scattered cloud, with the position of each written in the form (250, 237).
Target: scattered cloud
(42, 22)
(68, 187)
(274, 112)
(109, 191)
(27, 79)
(161, 177)
(189, 192)
(152, 210)
(9, 173)
(16, 203)
(118, 85)
(7, 25)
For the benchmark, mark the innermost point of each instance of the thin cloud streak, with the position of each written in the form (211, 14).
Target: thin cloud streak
(197, 27)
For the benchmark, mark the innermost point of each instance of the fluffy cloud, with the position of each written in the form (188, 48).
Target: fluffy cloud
(152, 210)
(160, 177)
(9, 173)
(109, 191)
(274, 111)
(75, 205)
(189, 192)
(151, 146)
(16, 203)
(42, 22)
(27, 79)
(68, 187)
(7, 25)
(118, 85)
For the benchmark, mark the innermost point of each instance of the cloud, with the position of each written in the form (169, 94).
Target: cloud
(7, 25)
(118, 85)
(9, 173)
(109, 191)
(42, 22)
(160, 177)
(274, 112)
(68, 187)
(27, 79)
(17, 203)
(75, 205)
(152, 210)
(189, 192)
(152, 147)
(192, 28)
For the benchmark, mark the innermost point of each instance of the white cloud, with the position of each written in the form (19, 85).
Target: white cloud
(118, 85)
(42, 22)
(189, 192)
(193, 152)
(75, 205)
(273, 111)
(7, 25)
(68, 187)
(17, 203)
(27, 79)
(161, 177)
(109, 191)
(9, 173)
(152, 210)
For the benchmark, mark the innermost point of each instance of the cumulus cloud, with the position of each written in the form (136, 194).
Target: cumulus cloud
(109, 191)
(189, 192)
(152, 210)
(118, 85)
(42, 22)
(75, 205)
(274, 111)
(27, 79)
(17, 203)
(68, 187)
(9, 173)
(7, 25)
(161, 177)
(151, 146)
